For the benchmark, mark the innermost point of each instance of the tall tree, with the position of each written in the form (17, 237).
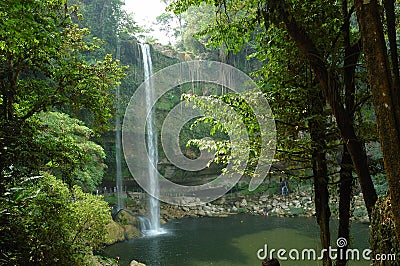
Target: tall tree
(385, 93)
(42, 66)
(331, 88)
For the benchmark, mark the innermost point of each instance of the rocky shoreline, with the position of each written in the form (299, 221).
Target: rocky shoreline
(293, 205)
(126, 224)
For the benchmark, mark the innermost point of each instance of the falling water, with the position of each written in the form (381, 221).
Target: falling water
(151, 137)
(118, 142)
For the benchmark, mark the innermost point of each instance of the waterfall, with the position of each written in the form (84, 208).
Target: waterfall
(151, 138)
(118, 150)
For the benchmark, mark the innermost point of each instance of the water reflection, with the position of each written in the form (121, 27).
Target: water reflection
(228, 241)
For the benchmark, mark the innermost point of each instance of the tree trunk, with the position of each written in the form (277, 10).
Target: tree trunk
(384, 96)
(351, 56)
(391, 30)
(317, 128)
(321, 201)
(345, 189)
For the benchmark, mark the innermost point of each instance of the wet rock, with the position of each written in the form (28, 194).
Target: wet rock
(131, 232)
(125, 217)
(115, 233)
(243, 203)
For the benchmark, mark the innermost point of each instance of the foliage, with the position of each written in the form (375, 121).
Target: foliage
(380, 184)
(305, 48)
(106, 261)
(259, 189)
(196, 20)
(49, 62)
(283, 78)
(45, 223)
(216, 114)
(59, 144)
(296, 211)
(360, 213)
(166, 22)
(108, 22)
(113, 200)
(68, 152)
(42, 67)
(104, 19)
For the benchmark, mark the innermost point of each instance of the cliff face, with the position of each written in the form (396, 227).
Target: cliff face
(131, 55)
(162, 57)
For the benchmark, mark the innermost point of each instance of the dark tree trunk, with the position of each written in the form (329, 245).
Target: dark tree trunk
(345, 191)
(391, 30)
(351, 55)
(317, 128)
(384, 96)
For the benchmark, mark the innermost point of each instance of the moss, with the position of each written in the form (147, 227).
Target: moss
(104, 261)
(383, 237)
(241, 210)
(124, 218)
(114, 234)
(131, 231)
(126, 226)
(296, 211)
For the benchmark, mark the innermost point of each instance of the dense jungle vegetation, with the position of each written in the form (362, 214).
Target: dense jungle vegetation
(329, 70)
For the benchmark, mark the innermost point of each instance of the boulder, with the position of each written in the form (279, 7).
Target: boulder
(263, 198)
(243, 203)
(131, 231)
(115, 233)
(129, 223)
(135, 263)
(124, 217)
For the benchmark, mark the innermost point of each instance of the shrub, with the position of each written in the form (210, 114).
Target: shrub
(46, 223)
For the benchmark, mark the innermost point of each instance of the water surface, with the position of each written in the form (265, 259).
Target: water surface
(231, 241)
